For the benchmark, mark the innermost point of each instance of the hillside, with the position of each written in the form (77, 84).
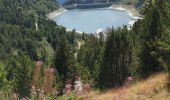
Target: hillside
(153, 88)
(37, 56)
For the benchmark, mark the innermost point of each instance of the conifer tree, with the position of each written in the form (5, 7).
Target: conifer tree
(23, 76)
(64, 61)
(117, 58)
(156, 38)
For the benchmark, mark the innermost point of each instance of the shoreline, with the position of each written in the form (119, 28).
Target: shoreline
(129, 8)
(56, 13)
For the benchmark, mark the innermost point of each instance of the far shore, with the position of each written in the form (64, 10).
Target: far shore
(129, 8)
(55, 13)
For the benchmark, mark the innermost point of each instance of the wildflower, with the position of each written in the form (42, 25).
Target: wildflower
(49, 80)
(41, 95)
(36, 73)
(14, 96)
(33, 92)
(39, 63)
(130, 78)
(78, 86)
(128, 81)
(86, 89)
(68, 87)
(51, 70)
(23, 99)
(33, 88)
(38, 90)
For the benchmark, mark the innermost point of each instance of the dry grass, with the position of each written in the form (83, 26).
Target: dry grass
(154, 88)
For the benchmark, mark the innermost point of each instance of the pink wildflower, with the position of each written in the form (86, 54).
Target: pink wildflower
(23, 99)
(51, 70)
(68, 87)
(39, 63)
(130, 78)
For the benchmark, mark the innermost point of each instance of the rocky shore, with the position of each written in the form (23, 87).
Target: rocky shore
(56, 13)
(129, 8)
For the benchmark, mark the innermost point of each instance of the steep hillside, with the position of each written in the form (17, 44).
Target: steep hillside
(153, 88)
(37, 56)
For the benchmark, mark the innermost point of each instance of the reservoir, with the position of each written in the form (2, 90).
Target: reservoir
(92, 20)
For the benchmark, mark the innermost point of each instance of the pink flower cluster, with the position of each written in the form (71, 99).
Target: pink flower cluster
(51, 70)
(39, 63)
(68, 88)
(130, 78)
(23, 99)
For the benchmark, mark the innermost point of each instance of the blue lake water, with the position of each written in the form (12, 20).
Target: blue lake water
(90, 20)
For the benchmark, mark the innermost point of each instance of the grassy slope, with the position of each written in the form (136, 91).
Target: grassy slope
(154, 88)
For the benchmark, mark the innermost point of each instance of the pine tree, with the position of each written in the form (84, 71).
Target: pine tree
(23, 76)
(90, 54)
(117, 58)
(64, 61)
(156, 38)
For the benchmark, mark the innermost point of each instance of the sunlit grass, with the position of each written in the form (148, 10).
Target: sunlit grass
(153, 88)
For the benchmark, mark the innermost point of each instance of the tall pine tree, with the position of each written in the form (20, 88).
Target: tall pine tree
(118, 56)
(156, 36)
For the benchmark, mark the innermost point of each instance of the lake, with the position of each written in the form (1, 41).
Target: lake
(92, 20)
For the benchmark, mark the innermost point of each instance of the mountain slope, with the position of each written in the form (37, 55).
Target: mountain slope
(154, 88)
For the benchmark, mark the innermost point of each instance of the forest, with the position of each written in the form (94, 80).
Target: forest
(36, 54)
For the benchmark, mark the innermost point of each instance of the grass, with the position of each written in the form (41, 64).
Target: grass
(153, 88)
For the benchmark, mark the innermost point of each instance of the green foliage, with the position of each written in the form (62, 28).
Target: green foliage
(3, 80)
(118, 58)
(64, 60)
(106, 62)
(21, 43)
(22, 76)
(90, 54)
(155, 34)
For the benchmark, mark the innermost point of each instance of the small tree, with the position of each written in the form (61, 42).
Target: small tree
(23, 76)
